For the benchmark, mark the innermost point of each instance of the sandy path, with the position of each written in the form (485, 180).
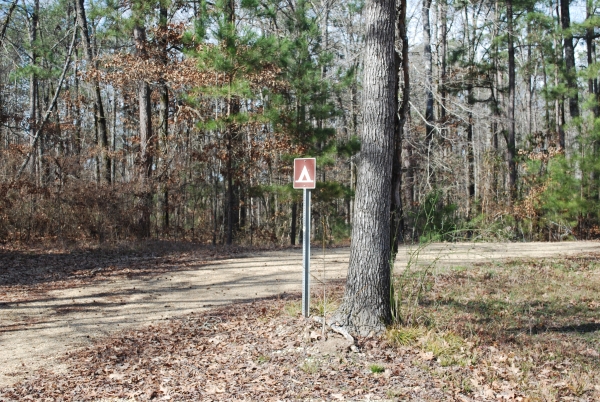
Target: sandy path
(33, 334)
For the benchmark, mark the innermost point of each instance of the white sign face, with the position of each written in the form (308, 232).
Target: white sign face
(305, 173)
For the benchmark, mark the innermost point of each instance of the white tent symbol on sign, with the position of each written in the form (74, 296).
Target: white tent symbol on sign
(304, 177)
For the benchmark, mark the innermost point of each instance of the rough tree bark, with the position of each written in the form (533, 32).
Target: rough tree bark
(366, 304)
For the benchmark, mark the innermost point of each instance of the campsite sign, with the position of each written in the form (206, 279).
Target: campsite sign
(305, 177)
(305, 172)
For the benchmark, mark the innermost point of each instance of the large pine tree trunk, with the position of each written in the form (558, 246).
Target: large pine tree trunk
(366, 305)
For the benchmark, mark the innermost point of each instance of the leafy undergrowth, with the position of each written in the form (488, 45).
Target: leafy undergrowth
(526, 329)
(258, 351)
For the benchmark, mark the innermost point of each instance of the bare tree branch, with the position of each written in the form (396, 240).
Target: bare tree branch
(52, 104)
(7, 20)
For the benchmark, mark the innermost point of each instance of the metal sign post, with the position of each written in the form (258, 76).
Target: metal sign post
(306, 255)
(305, 177)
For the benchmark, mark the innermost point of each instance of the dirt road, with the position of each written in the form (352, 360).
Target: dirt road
(34, 333)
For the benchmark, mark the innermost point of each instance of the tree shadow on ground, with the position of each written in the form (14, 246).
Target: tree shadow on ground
(30, 266)
(585, 328)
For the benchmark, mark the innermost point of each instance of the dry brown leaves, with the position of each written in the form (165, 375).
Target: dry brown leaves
(532, 328)
(258, 351)
(123, 68)
(243, 352)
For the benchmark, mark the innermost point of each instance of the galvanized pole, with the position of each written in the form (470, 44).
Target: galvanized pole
(306, 255)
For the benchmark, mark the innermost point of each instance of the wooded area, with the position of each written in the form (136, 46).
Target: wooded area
(180, 119)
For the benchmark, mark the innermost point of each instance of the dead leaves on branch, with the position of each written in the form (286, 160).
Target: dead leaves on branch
(161, 64)
(123, 69)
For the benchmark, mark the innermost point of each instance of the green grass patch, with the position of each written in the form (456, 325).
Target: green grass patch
(405, 336)
(376, 368)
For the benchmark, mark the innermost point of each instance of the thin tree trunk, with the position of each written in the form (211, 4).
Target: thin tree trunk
(428, 62)
(233, 108)
(51, 106)
(2, 36)
(470, 146)
(293, 225)
(589, 41)
(498, 99)
(545, 85)
(99, 115)
(114, 136)
(146, 138)
(33, 85)
(402, 92)
(7, 21)
(164, 111)
(470, 156)
(558, 105)
(510, 139)
(569, 49)
(443, 9)
(230, 202)
(407, 181)
(215, 210)
(78, 141)
(325, 46)
(366, 305)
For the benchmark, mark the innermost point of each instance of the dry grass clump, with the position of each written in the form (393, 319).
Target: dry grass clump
(526, 329)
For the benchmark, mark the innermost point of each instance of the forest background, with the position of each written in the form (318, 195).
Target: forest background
(180, 119)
